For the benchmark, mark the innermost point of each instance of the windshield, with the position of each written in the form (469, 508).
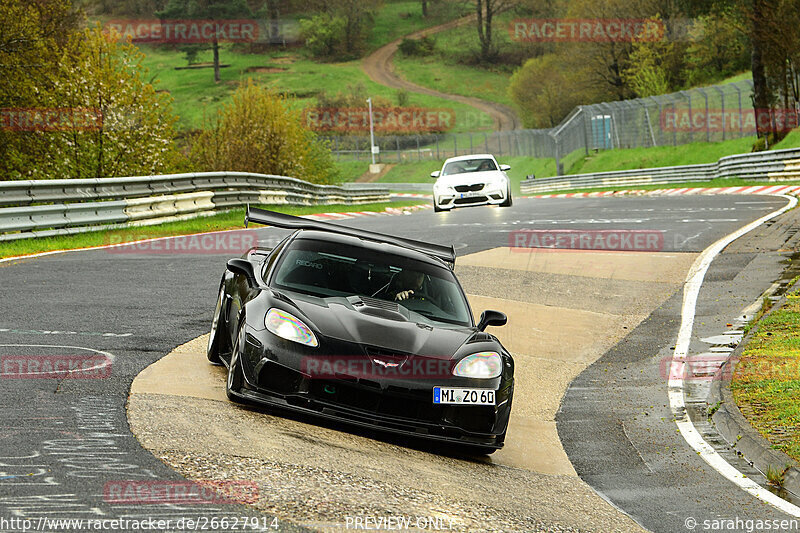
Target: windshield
(468, 165)
(317, 268)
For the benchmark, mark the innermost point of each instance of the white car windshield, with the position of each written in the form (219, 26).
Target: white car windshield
(468, 165)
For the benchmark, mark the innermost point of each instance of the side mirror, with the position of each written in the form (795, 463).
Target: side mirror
(505, 167)
(244, 268)
(435, 174)
(492, 318)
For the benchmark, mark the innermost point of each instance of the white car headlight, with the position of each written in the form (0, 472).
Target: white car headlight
(289, 327)
(480, 365)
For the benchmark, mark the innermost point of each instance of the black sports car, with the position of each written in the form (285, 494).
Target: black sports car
(365, 328)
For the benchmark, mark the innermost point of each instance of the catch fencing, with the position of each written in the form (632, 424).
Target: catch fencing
(44, 208)
(709, 114)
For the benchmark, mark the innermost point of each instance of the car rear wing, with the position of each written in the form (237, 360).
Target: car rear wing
(280, 220)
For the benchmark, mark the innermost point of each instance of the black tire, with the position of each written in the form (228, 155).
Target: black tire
(509, 201)
(215, 336)
(235, 379)
(436, 208)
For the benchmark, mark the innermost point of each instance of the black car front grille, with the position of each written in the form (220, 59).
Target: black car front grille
(395, 402)
(472, 200)
(468, 188)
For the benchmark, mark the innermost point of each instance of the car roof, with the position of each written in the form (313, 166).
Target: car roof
(473, 156)
(374, 246)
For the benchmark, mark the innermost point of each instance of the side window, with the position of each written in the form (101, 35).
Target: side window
(273, 256)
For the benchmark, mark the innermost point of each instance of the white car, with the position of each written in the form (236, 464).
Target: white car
(471, 180)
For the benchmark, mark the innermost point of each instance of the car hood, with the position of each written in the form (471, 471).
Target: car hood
(350, 320)
(468, 178)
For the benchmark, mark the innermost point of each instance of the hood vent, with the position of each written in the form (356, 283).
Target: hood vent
(377, 307)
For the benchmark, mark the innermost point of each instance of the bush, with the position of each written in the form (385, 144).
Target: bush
(258, 132)
(417, 47)
(115, 123)
(323, 34)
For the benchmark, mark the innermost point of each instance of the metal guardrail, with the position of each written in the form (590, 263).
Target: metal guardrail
(44, 208)
(776, 165)
(421, 187)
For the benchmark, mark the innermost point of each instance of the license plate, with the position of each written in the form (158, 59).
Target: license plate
(445, 395)
(471, 194)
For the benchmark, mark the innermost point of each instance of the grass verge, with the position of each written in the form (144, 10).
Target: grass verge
(766, 385)
(197, 97)
(233, 219)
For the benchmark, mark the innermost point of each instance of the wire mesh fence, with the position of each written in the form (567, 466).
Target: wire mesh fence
(707, 114)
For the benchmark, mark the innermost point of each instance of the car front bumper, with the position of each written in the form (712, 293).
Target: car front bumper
(399, 405)
(490, 194)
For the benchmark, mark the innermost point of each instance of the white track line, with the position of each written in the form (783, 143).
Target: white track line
(694, 281)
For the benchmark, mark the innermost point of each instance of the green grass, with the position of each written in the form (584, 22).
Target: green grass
(351, 170)
(396, 19)
(197, 97)
(790, 141)
(766, 385)
(446, 71)
(452, 78)
(660, 156)
(233, 219)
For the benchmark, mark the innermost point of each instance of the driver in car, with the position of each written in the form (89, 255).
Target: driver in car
(486, 165)
(402, 286)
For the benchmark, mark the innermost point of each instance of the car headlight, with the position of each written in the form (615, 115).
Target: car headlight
(289, 327)
(480, 365)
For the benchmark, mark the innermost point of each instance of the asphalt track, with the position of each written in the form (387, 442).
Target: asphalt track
(61, 441)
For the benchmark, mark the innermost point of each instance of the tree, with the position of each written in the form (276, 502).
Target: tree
(357, 17)
(133, 134)
(486, 10)
(539, 88)
(772, 28)
(216, 10)
(32, 35)
(718, 48)
(648, 72)
(259, 132)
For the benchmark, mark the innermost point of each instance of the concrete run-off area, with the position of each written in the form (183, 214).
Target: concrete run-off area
(322, 474)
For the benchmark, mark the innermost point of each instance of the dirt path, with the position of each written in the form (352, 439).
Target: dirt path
(378, 66)
(369, 177)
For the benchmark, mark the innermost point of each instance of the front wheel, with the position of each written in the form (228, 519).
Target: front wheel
(235, 374)
(436, 208)
(509, 200)
(215, 336)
